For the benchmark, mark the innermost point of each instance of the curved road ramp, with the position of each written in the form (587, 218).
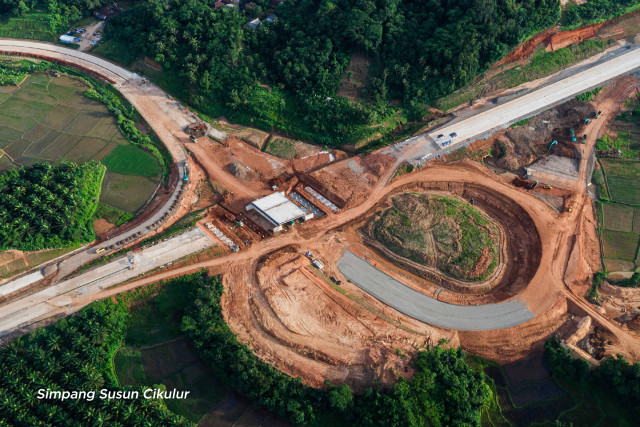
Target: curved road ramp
(426, 309)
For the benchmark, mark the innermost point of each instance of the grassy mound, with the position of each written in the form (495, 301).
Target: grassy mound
(443, 232)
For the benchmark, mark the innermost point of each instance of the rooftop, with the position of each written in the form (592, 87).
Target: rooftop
(278, 208)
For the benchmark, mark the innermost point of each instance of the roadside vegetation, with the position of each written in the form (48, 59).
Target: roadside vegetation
(286, 74)
(442, 232)
(542, 64)
(45, 206)
(587, 96)
(76, 353)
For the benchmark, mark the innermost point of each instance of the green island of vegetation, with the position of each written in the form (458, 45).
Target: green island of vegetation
(45, 206)
(443, 232)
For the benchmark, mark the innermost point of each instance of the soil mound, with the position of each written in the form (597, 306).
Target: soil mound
(443, 232)
(523, 145)
(238, 170)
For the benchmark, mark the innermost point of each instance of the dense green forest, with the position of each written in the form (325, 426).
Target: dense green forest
(73, 354)
(45, 206)
(444, 391)
(419, 51)
(64, 11)
(595, 11)
(615, 375)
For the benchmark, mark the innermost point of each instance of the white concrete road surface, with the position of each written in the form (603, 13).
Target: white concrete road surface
(61, 298)
(481, 125)
(427, 309)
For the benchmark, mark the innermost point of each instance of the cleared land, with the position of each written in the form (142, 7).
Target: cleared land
(48, 119)
(443, 232)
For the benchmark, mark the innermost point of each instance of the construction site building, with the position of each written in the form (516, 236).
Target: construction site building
(278, 210)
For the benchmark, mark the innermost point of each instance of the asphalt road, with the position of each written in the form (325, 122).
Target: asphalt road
(483, 124)
(427, 309)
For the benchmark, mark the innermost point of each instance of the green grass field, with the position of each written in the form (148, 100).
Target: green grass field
(623, 180)
(281, 148)
(49, 119)
(131, 160)
(113, 215)
(618, 217)
(10, 267)
(617, 244)
(127, 192)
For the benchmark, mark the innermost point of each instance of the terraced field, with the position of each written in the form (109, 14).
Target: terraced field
(48, 119)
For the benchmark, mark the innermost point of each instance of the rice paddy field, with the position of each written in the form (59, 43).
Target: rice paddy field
(620, 238)
(47, 118)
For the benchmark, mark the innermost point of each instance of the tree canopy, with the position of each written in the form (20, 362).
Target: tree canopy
(73, 354)
(419, 52)
(46, 206)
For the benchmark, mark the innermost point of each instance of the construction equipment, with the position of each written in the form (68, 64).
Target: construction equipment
(196, 130)
(547, 187)
(573, 136)
(552, 144)
(598, 114)
(569, 208)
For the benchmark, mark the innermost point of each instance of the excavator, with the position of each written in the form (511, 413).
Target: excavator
(196, 130)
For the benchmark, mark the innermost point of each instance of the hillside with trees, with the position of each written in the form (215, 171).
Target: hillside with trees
(73, 354)
(419, 52)
(48, 206)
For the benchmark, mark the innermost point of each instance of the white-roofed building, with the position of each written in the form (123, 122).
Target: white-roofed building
(278, 210)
